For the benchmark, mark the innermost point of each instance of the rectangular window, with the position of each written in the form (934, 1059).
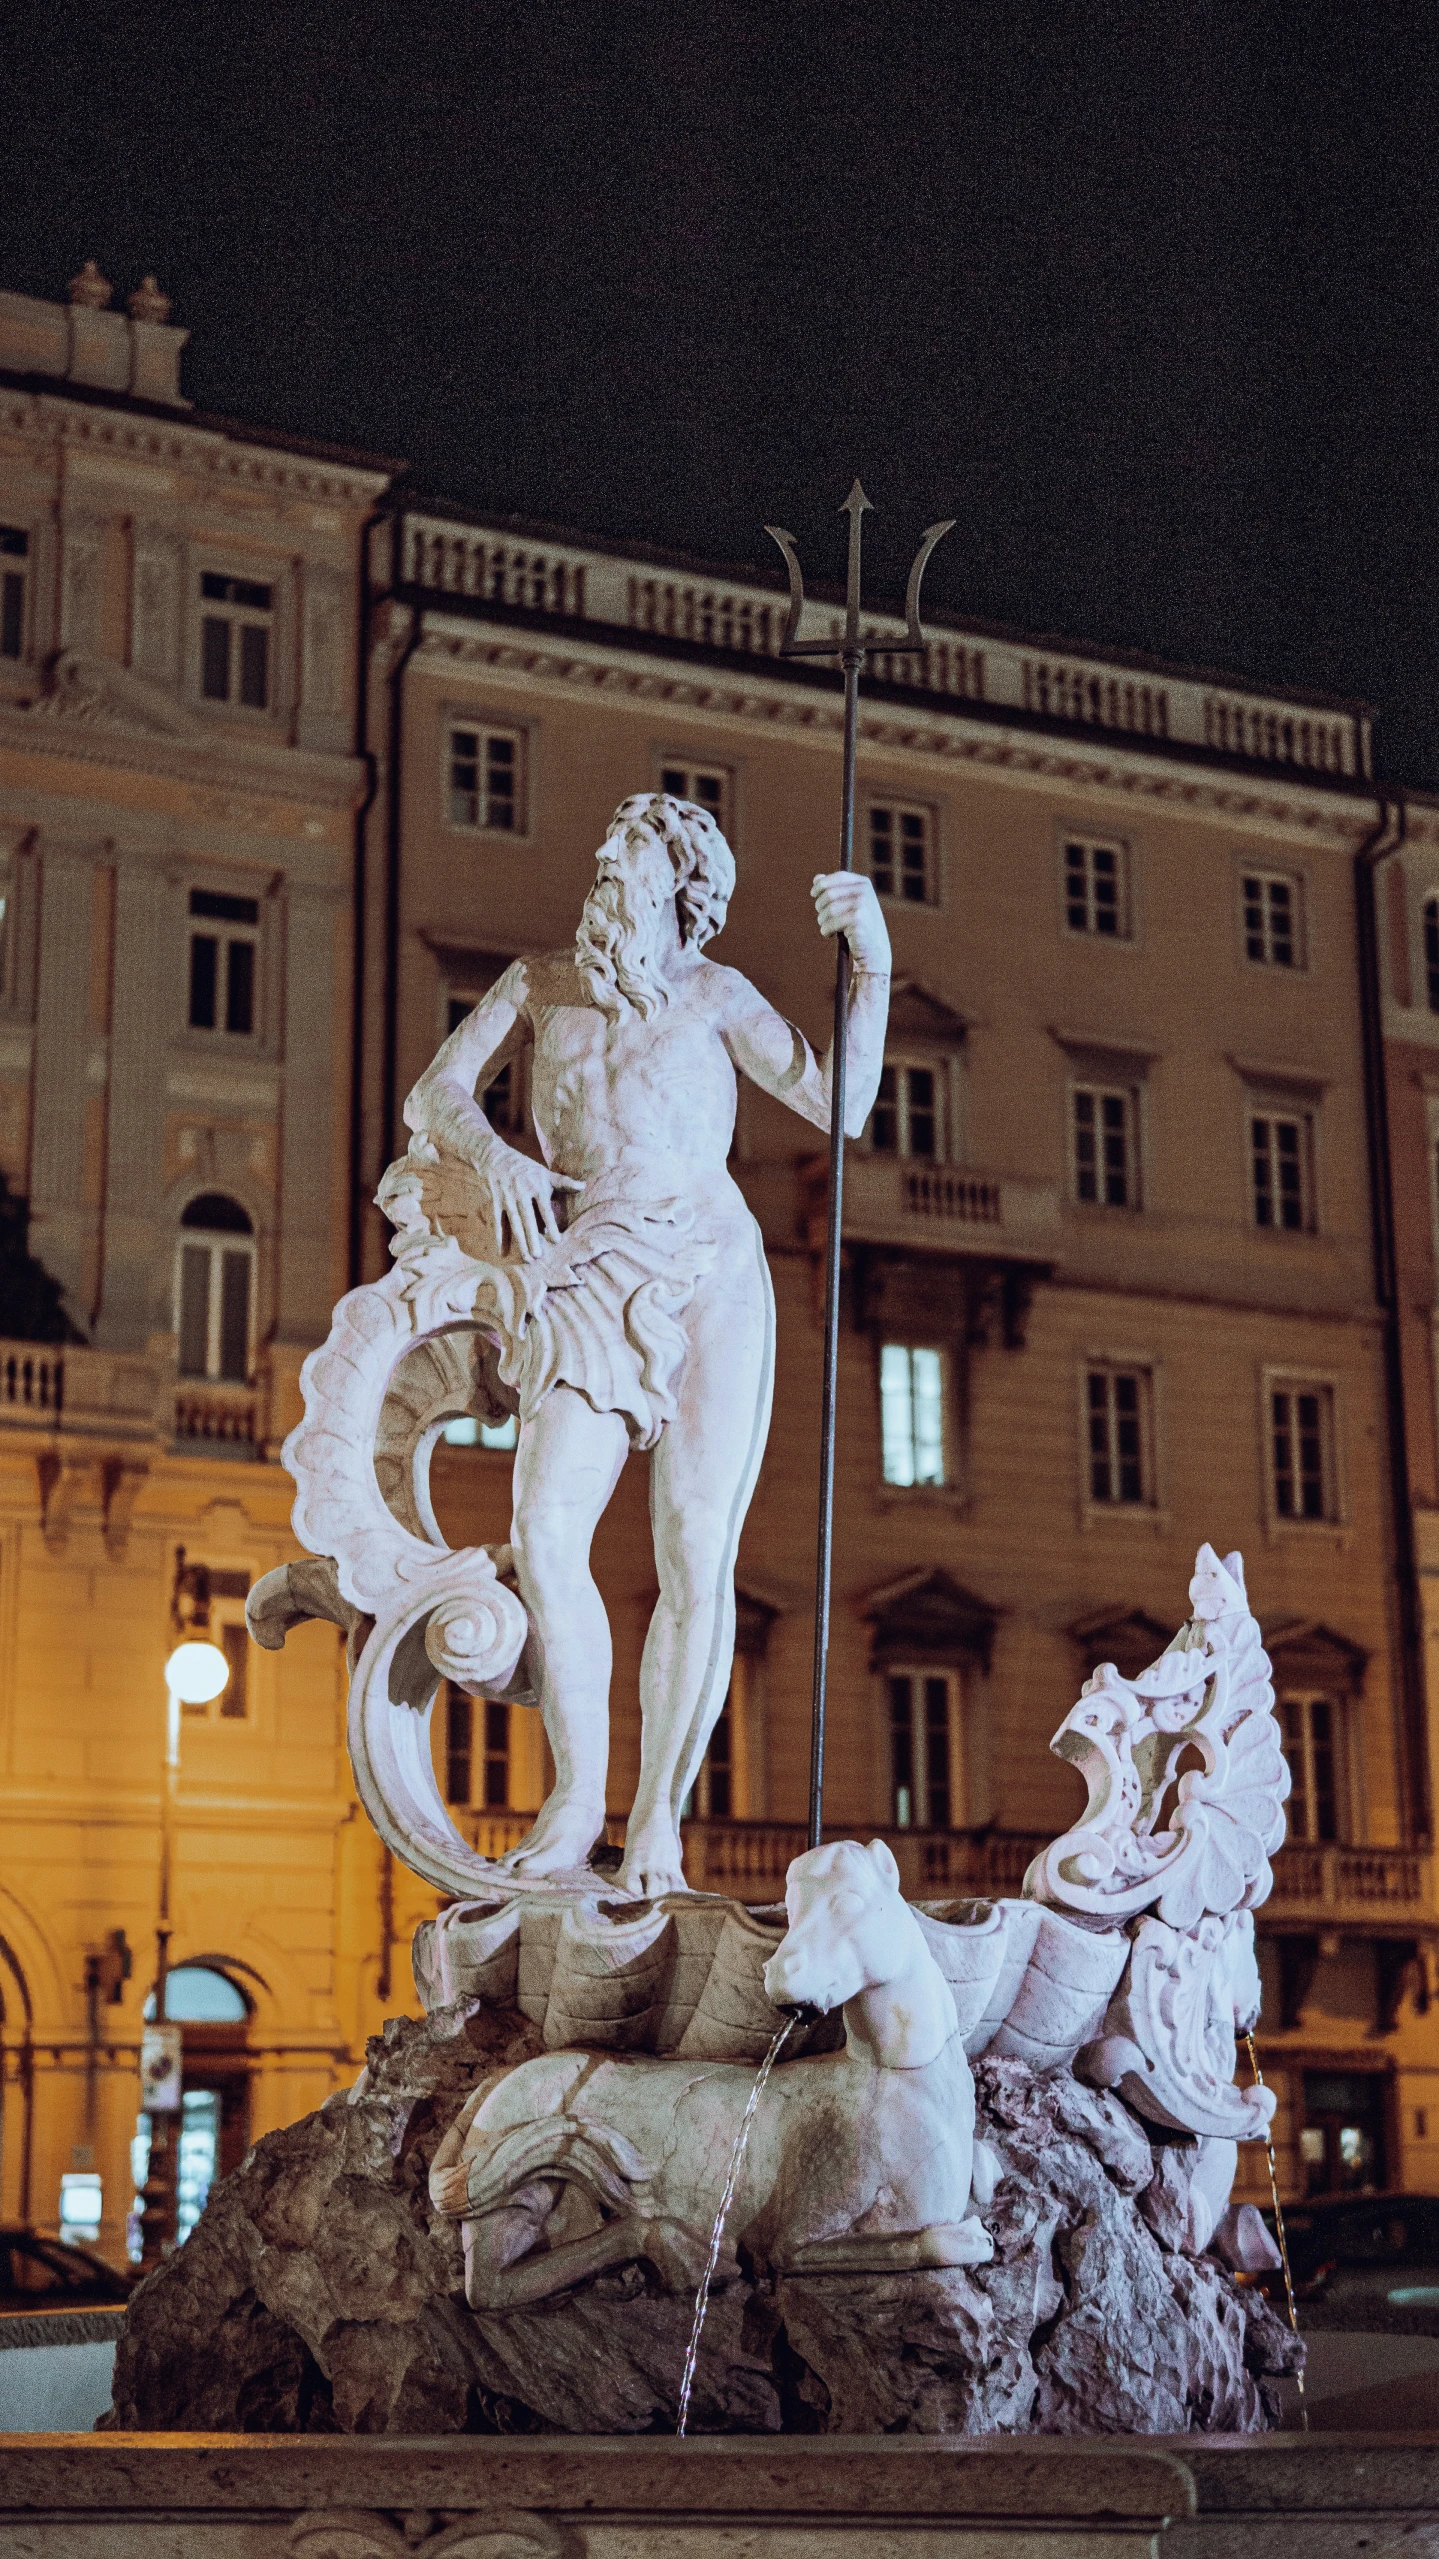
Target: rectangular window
(908, 1115)
(459, 1721)
(708, 785)
(503, 1099)
(235, 643)
(1271, 919)
(1117, 1405)
(14, 547)
(1431, 951)
(497, 1755)
(901, 853)
(216, 1283)
(1095, 882)
(911, 1412)
(1105, 1170)
(712, 1796)
(1301, 1447)
(922, 1749)
(486, 779)
(222, 963)
(1310, 1737)
(1279, 1158)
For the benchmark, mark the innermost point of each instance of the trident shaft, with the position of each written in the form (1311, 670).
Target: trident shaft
(850, 652)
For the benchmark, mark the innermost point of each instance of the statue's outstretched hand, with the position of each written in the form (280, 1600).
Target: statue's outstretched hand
(521, 1195)
(845, 903)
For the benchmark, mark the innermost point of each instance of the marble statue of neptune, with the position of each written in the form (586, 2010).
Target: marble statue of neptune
(636, 1307)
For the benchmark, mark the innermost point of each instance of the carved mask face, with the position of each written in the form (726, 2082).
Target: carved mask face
(617, 947)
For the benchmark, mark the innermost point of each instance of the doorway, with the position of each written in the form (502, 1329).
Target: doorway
(1343, 2146)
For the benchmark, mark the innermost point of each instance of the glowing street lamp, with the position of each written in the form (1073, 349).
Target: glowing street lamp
(194, 1675)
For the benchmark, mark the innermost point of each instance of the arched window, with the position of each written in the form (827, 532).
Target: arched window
(198, 1995)
(215, 1289)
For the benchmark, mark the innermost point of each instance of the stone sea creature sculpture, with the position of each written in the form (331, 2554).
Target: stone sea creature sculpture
(862, 2160)
(613, 1293)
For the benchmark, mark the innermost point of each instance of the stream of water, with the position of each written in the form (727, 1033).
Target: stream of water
(702, 2297)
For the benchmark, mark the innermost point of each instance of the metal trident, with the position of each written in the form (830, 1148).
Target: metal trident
(851, 651)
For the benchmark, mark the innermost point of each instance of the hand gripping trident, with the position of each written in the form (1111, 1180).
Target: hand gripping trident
(851, 652)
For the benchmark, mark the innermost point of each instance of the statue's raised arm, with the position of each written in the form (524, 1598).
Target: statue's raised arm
(779, 1058)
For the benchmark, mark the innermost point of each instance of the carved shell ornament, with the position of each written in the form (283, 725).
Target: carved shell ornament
(1209, 1698)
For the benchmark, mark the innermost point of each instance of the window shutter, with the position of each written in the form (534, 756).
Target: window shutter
(235, 1315)
(194, 1310)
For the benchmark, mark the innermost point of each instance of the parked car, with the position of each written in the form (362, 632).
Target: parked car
(53, 2274)
(1355, 2248)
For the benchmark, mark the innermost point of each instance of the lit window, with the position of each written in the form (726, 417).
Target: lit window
(223, 962)
(477, 1743)
(901, 853)
(215, 1289)
(1271, 919)
(235, 643)
(1301, 1425)
(1094, 889)
(486, 780)
(911, 1410)
(1104, 1167)
(923, 1748)
(1117, 1410)
(908, 1115)
(1279, 1157)
(14, 551)
(708, 785)
(468, 1432)
(1431, 950)
(1310, 1746)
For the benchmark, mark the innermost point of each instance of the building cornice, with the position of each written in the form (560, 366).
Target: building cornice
(208, 762)
(984, 736)
(224, 450)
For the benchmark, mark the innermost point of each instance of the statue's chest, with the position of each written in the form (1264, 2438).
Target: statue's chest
(674, 1062)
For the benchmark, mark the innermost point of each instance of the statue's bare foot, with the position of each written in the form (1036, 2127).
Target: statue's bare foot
(565, 1830)
(653, 1861)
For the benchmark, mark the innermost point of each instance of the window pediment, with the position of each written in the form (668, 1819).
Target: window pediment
(1305, 1653)
(929, 1617)
(1128, 1637)
(916, 1016)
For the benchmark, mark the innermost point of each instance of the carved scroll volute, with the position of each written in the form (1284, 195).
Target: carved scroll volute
(438, 1613)
(1210, 1699)
(501, 2532)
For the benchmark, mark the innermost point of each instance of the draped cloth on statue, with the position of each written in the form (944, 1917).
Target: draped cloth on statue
(598, 1311)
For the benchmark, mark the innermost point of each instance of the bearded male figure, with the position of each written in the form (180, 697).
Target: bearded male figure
(638, 1307)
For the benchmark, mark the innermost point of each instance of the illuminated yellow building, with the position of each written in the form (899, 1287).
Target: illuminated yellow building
(179, 611)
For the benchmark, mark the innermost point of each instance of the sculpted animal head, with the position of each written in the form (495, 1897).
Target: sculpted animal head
(658, 849)
(849, 1927)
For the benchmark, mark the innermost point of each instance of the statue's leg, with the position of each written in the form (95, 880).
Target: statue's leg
(566, 1467)
(702, 1478)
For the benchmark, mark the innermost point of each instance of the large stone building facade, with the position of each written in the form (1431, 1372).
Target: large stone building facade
(178, 793)
(289, 769)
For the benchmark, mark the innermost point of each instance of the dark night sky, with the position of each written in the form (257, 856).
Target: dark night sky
(1147, 296)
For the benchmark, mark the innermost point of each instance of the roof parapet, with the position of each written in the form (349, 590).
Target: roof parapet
(83, 341)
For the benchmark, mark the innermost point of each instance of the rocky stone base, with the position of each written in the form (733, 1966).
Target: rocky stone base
(321, 2293)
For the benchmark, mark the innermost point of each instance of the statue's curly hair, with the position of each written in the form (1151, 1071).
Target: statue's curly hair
(704, 866)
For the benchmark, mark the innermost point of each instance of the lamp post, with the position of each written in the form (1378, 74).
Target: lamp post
(194, 1674)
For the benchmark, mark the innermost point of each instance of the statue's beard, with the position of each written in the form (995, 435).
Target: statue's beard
(617, 948)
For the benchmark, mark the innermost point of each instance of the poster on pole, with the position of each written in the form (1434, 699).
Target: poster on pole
(161, 2062)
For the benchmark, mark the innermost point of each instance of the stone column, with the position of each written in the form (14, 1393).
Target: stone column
(59, 1220)
(141, 1021)
(308, 1201)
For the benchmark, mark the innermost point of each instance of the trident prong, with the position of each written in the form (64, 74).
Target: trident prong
(856, 506)
(851, 652)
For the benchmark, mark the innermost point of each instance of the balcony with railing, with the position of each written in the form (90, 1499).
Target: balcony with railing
(893, 1199)
(220, 1420)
